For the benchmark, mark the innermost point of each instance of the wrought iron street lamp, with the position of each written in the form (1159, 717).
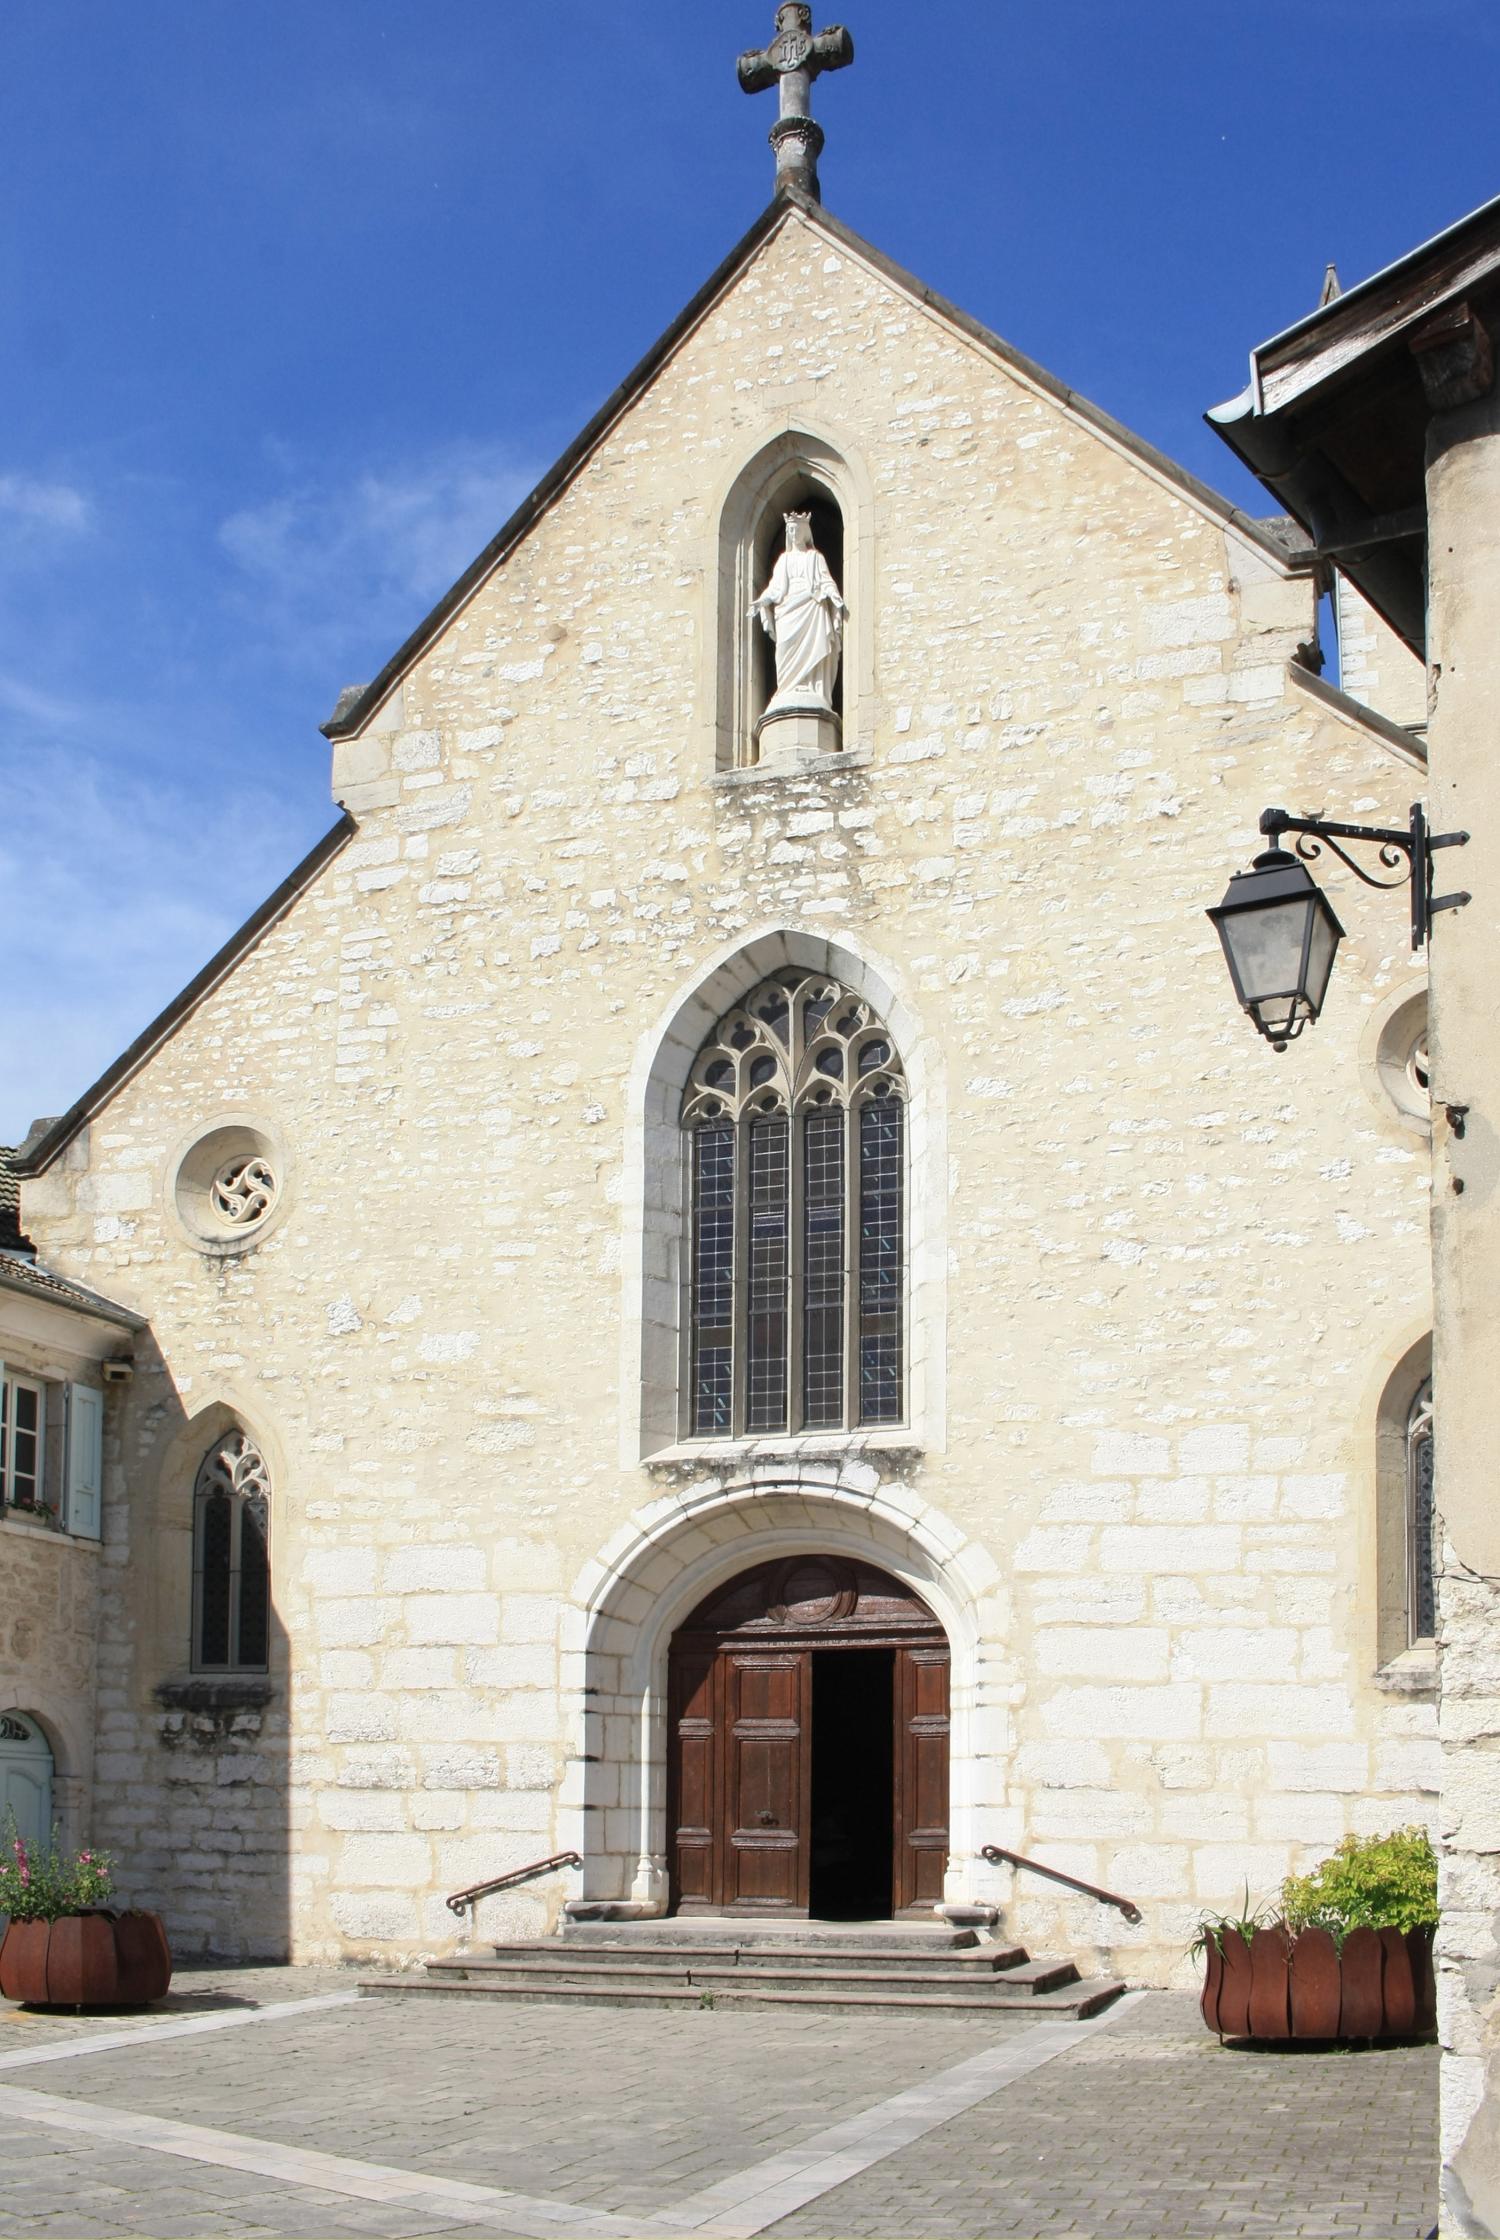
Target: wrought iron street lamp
(1278, 928)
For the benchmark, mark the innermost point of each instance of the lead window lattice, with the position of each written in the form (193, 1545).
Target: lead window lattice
(796, 1274)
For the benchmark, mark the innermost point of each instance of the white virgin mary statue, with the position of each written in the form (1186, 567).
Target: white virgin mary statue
(802, 612)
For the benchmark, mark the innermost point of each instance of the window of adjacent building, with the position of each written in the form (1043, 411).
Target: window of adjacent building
(231, 1559)
(22, 1421)
(795, 1112)
(1421, 1520)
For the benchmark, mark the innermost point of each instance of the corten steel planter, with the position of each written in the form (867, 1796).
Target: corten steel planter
(96, 1959)
(1282, 1984)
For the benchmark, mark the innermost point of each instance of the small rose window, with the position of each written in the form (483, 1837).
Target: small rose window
(229, 1187)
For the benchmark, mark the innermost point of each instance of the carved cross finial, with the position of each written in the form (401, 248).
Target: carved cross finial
(795, 56)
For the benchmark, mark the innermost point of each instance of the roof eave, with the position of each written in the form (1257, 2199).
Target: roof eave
(36, 1156)
(355, 708)
(90, 1304)
(357, 705)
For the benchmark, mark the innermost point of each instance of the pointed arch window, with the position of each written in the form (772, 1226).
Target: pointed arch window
(795, 1111)
(231, 1558)
(1421, 1520)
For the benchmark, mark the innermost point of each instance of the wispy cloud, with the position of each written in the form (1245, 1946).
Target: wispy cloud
(123, 720)
(377, 548)
(112, 894)
(29, 504)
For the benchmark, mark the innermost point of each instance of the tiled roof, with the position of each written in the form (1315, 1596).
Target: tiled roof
(19, 1271)
(11, 1239)
(39, 1283)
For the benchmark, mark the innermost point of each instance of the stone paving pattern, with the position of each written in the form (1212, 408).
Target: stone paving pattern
(1152, 2130)
(1147, 2129)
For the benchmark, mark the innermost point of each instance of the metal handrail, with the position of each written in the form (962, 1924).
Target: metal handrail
(996, 1852)
(462, 1898)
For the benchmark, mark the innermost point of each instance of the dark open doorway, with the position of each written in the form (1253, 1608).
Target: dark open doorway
(853, 1791)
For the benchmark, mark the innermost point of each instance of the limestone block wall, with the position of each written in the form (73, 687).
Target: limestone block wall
(1375, 667)
(1164, 1266)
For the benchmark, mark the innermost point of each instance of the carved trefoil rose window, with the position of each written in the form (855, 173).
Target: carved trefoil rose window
(795, 1111)
(231, 1558)
(230, 1186)
(244, 1190)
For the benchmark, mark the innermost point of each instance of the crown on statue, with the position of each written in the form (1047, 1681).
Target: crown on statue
(790, 517)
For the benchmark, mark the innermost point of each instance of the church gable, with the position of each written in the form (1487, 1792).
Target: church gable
(805, 329)
(1017, 571)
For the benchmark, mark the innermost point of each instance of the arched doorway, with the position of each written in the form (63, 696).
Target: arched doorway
(25, 1777)
(808, 1746)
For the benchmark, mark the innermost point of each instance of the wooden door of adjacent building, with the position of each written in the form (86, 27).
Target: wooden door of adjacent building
(788, 1793)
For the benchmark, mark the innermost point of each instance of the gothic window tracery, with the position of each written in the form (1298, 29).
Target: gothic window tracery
(795, 1110)
(231, 1558)
(1421, 1519)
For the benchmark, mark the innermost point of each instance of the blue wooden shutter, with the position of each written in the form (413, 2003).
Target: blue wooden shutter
(84, 1460)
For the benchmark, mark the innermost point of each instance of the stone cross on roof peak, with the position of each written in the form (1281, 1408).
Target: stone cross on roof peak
(795, 56)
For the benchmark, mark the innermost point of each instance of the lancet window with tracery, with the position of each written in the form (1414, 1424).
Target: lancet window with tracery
(1421, 1520)
(796, 1115)
(231, 1558)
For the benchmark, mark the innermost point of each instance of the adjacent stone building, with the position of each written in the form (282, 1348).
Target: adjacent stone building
(60, 1343)
(635, 1151)
(1377, 421)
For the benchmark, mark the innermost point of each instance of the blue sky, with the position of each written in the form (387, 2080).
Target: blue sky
(297, 300)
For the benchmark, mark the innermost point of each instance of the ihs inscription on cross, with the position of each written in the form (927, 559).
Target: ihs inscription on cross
(794, 58)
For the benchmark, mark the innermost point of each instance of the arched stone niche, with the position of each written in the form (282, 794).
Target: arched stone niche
(802, 470)
(669, 1557)
(652, 1366)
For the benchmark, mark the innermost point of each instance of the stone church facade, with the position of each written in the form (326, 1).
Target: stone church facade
(1105, 1341)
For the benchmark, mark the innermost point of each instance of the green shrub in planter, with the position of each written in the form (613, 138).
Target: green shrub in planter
(1349, 1957)
(1369, 1882)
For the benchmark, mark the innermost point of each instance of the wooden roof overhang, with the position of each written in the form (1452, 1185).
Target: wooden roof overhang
(1334, 420)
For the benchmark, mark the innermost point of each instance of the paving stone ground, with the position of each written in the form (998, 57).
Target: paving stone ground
(1144, 2128)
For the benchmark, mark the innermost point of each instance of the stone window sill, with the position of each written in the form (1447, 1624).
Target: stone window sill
(803, 1446)
(227, 1691)
(795, 766)
(21, 1520)
(1413, 1673)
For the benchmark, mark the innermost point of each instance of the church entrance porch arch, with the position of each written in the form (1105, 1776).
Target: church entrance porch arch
(808, 1746)
(666, 1560)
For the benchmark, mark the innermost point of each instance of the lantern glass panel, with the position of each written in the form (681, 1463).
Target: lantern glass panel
(1265, 947)
(1324, 940)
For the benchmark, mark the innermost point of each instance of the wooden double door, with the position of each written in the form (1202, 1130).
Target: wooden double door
(808, 1725)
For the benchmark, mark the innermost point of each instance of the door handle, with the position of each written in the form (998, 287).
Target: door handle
(766, 1819)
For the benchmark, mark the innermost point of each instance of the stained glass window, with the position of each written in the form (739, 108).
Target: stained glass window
(795, 1110)
(1421, 1520)
(231, 1559)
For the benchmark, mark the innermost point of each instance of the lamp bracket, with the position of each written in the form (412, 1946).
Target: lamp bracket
(1414, 847)
(1390, 856)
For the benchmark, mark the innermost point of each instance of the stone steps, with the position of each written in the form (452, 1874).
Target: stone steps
(568, 1952)
(1079, 1999)
(818, 1967)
